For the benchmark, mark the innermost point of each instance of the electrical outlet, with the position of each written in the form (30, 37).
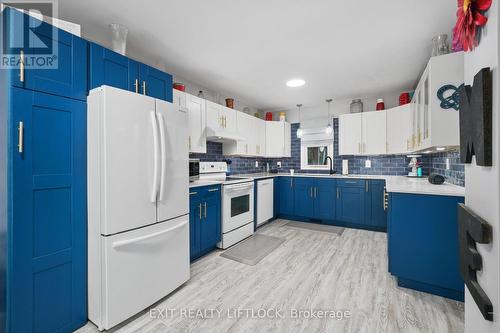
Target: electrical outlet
(447, 164)
(256, 164)
(278, 164)
(368, 164)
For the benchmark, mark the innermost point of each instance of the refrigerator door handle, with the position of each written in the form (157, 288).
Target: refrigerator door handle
(163, 149)
(146, 237)
(154, 192)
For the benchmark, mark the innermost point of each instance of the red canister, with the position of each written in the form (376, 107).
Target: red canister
(404, 98)
(179, 86)
(380, 104)
(269, 116)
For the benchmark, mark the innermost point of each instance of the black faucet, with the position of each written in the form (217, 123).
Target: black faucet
(331, 164)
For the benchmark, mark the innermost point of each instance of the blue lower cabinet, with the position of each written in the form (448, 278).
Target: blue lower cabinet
(324, 199)
(423, 243)
(357, 203)
(204, 220)
(375, 211)
(210, 224)
(350, 201)
(286, 195)
(304, 197)
(47, 252)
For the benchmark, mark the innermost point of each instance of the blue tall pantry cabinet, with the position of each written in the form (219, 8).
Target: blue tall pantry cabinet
(43, 186)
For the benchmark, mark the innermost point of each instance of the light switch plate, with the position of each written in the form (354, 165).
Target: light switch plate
(368, 164)
(256, 164)
(447, 164)
(278, 164)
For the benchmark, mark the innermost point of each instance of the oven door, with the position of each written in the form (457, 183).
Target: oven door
(237, 206)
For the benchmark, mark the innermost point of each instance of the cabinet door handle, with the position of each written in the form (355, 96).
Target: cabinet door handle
(366, 186)
(21, 66)
(338, 193)
(144, 87)
(315, 192)
(189, 142)
(199, 210)
(311, 192)
(136, 85)
(359, 147)
(291, 183)
(193, 193)
(213, 190)
(225, 122)
(363, 148)
(205, 204)
(20, 144)
(385, 199)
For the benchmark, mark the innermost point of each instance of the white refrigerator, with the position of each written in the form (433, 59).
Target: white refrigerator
(138, 203)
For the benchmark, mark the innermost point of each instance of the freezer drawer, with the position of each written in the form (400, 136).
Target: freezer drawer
(265, 200)
(139, 268)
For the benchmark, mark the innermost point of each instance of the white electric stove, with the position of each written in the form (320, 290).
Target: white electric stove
(237, 202)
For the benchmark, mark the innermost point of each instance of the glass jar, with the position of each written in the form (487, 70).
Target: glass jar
(356, 106)
(118, 38)
(440, 45)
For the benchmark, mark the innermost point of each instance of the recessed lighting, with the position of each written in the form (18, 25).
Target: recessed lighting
(440, 148)
(293, 83)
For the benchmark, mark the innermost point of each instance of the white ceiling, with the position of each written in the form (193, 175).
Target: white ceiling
(342, 49)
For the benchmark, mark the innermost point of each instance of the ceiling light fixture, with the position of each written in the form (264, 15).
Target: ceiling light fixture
(294, 83)
(440, 148)
(299, 130)
(329, 127)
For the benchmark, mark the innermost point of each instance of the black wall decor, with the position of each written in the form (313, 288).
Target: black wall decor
(473, 229)
(476, 120)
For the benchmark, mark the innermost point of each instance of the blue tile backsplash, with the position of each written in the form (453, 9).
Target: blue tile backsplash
(381, 165)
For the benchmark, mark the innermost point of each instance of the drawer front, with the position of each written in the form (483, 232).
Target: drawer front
(351, 182)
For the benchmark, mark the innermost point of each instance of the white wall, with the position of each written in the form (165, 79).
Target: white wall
(317, 116)
(482, 192)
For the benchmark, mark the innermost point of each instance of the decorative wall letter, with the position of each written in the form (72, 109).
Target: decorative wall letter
(476, 120)
(473, 229)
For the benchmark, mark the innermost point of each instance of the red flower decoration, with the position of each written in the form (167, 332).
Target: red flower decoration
(469, 20)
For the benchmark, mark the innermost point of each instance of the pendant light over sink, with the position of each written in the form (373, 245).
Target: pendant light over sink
(329, 127)
(299, 130)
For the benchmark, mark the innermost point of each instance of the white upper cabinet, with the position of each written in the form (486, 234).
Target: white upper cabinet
(422, 125)
(397, 129)
(221, 122)
(350, 134)
(179, 98)
(278, 139)
(214, 115)
(195, 108)
(246, 129)
(260, 127)
(431, 125)
(197, 124)
(229, 117)
(373, 133)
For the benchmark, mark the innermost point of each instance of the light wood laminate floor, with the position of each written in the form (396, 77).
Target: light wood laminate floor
(310, 270)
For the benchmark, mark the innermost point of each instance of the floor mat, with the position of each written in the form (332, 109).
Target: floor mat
(316, 227)
(253, 249)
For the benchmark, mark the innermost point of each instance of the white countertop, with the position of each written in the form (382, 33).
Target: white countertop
(200, 183)
(396, 184)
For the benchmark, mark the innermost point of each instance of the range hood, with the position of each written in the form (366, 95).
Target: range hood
(221, 135)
